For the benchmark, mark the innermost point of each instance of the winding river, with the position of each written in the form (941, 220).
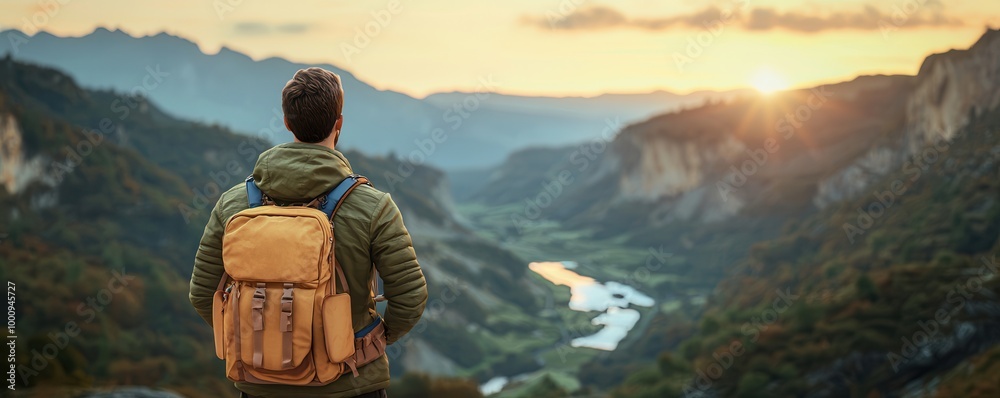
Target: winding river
(612, 299)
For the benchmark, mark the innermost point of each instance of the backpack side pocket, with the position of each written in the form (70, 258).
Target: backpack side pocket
(219, 324)
(337, 327)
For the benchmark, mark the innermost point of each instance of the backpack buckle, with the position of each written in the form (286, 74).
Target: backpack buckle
(257, 307)
(286, 307)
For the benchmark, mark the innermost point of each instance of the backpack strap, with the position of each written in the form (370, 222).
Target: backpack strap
(329, 205)
(333, 201)
(337, 195)
(255, 197)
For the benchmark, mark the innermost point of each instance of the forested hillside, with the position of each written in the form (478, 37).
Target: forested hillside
(105, 197)
(876, 297)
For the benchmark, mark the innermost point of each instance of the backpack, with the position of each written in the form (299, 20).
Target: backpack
(282, 311)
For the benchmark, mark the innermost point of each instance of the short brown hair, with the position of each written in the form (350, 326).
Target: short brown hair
(312, 102)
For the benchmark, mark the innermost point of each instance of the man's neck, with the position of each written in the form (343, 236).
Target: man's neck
(328, 142)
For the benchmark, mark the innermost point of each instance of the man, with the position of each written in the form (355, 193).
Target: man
(369, 229)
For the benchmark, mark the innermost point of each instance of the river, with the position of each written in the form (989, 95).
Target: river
(611, 299)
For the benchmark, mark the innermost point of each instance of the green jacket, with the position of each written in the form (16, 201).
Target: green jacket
(296, 172)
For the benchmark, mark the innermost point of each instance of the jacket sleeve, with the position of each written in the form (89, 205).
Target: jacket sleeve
(208, 267)
(394, 258)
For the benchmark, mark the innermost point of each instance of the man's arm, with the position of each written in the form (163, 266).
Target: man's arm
(403, 282)
(208, 267)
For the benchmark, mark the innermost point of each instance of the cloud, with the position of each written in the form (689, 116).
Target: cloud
(600, 17)
(293, 28)
(867, 19)
(758, 19)
(251, 28)
(591, 18)
(260, 28)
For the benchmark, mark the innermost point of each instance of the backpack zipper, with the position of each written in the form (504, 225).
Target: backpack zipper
(329, 256)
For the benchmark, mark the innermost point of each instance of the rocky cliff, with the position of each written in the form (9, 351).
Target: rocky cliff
(766, 155)
(15, 172)
(950, 89)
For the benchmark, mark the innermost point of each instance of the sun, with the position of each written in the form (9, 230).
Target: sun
(767, 81)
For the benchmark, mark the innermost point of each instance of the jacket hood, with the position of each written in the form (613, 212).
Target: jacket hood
(298, 171)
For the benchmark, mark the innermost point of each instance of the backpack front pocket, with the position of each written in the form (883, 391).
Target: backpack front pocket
(275, 327)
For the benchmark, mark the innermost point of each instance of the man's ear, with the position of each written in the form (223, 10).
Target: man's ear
(286, 123)
(336, 129)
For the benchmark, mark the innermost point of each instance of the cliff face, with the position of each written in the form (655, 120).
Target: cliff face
(674, 176)
(950, 89)
(830, 143)
(11, 154)
(664, 167)
(17, 169)
(765, 155)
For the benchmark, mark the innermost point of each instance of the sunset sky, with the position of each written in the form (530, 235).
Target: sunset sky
(549, 47)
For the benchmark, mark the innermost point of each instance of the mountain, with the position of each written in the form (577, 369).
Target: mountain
(554, 121)
(892, 294)
(596, 108)
(231, 89)
(93, 199)
(676, 181)
(753, 194)
(227, 88)
(887, 286)
(691, 165)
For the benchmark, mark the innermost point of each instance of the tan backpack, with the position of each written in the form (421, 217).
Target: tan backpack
(282, 311)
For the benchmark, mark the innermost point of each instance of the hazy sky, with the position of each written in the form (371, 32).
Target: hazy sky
(550, 47)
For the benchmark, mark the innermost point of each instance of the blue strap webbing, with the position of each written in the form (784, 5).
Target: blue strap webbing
(255, 197)
(337, 193)
(368, 329)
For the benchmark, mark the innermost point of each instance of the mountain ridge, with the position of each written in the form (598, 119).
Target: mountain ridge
(213, 88)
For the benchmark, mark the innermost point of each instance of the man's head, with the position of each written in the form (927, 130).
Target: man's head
(312, 103)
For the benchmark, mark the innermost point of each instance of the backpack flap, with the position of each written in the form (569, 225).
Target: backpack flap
(257, 242)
